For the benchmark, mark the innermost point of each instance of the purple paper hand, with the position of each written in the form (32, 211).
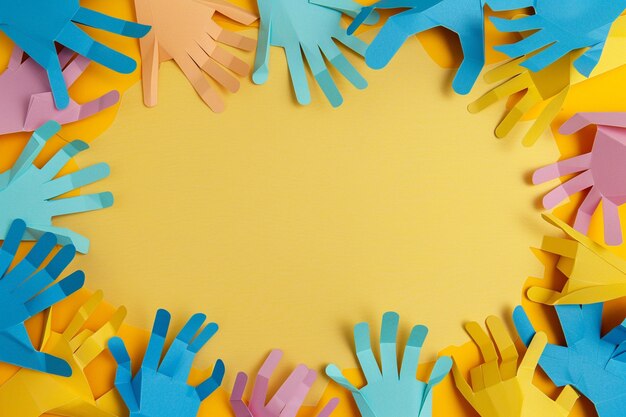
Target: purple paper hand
(603, 170)
(26, 101)
(287, 400)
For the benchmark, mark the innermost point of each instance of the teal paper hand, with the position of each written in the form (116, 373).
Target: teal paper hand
(560, 29)
(160, 388)
(389, 393)
(299, 26)
(35, 26)
(593, 364)
(26, 290)
(30, 193)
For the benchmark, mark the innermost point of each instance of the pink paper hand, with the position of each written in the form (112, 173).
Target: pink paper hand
(287, 400)
(603, 170)
(26, 102)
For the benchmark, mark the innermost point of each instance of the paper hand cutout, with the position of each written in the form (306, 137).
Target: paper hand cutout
(31, 193)
(502, 388)
(594, 274)
(31, 394)
(35, 26)
(26, 102)
(464, 17)
(584, 24)
(594, 365)
(287, 400)
(160, 387)
(392, 393)
(603, 170)
(28, 289)
(186, 32)
(549, 86)
(299, 26)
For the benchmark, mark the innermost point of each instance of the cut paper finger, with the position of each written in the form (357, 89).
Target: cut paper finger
(391, 391)
(465, 18)
(602, 171)
(32, 394)
(26, 102)
(501, 387)
(160, 388)
(286, 402)
(32, 193)
(548, 87)
(591, 363)
(36, 26)
(28, 288)
(585, 25)
(186, 31)
(594, 274)
(301, 27)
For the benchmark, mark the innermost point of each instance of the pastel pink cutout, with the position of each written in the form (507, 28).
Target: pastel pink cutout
(603, 170)
(288, 399)
(26, 101)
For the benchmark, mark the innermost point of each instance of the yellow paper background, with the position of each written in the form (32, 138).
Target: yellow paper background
(287, 225)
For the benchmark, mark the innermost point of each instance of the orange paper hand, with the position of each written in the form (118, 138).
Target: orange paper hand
(185, 31)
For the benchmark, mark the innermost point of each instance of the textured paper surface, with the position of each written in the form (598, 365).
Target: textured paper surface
(315, 217)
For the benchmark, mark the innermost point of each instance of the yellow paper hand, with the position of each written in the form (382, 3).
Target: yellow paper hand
(547, 88)
(186, 32)
(501, 388)
(31, 394)
(594, 273)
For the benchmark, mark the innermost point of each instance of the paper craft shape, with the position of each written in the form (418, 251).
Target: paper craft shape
(32, 394)
(603, 171)
(28, 289)
(302, 27)
(287, 400)
(26, 102)
(594, 273)
(594, 365)
(392, 392)
(36, 25)
(31, 193)
(502, 388)
(465, 18)
(186, 32)
(160, 387)
(559, 31)
(550, 86)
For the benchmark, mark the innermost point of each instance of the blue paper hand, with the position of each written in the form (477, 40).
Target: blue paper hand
(26, 290)
(299, 26)
(392, 394)
(161, 389)
(464, 17)
(31, 193)
(561, 29)
(35, 26)
(594, 365)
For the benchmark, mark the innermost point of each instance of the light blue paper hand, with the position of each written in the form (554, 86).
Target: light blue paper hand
(161, 390)
(299, 26)
(560, 29)
(594, 365)
(464, 17)
(26, 290)
(30, 193)
(35, 26)
(392, 394)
